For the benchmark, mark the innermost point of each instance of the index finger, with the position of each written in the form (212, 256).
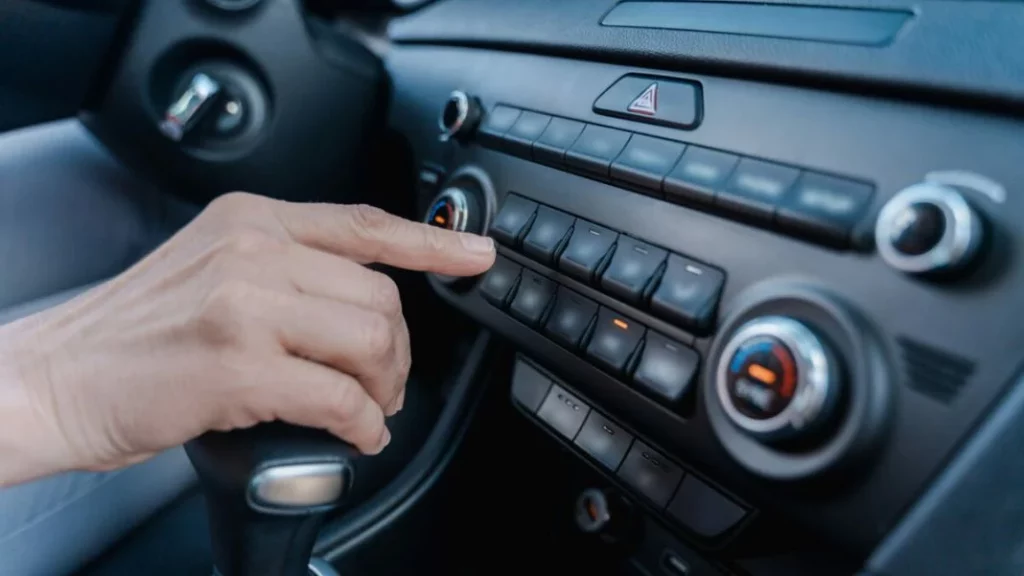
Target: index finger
(367, 234)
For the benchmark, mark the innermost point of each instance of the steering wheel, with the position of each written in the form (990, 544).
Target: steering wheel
(209, 96)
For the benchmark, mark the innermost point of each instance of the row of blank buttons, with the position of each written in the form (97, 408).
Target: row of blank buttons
(808, 203)
(690, 501)
(663, 368)
(679, 289)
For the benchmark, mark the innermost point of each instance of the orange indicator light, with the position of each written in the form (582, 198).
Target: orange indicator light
(761, 373)
(621, 323)
(439, 219)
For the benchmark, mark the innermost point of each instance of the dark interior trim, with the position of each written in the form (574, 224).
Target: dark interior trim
(358, 526)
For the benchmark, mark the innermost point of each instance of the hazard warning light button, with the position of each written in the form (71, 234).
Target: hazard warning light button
(657, 100)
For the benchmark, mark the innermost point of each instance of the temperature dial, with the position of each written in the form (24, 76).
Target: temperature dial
(776, 379)
(455, 209)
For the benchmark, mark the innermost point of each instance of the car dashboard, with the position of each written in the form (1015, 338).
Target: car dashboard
(758, 274)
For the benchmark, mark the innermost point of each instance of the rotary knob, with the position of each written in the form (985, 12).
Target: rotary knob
(456, 209)
(459, 116)
(928, 228)
(776, 380)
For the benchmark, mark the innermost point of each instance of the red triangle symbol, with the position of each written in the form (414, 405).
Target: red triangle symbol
(646, 103)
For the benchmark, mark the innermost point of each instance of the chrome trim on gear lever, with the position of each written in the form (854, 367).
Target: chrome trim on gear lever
(183, 113)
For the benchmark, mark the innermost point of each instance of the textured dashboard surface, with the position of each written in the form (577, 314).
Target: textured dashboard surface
(971, 47)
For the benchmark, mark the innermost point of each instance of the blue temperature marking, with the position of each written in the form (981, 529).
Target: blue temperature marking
(743, 353)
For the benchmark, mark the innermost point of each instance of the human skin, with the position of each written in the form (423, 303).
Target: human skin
(258, 310)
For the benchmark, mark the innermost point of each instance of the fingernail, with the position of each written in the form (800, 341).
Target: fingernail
(475, 243)
(401, 401)
(384, 440)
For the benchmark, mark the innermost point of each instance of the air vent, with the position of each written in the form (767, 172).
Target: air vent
(933, 371)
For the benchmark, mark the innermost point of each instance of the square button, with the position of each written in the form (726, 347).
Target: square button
(645, 162)
(666, 368)
(547, 232)
(604, 440)
(532, 297)
(595, 149)
(704, 510)
(520, 137)
(756, 188)
(698, 175)
(650, 473)
(513, 220)
(570, 318)
(587, 248)
(824, 207)
(631, 270)
(496, 124)
(688, 294)
(500, 281)
(614, 341)
(529, 386)
(558, 137)
(563, 411)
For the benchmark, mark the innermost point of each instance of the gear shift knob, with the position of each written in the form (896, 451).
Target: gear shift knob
(268, 491)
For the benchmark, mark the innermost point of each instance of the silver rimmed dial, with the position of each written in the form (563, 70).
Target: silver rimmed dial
(776, 379)
(459, 116)
(928, 228)
(455, 209)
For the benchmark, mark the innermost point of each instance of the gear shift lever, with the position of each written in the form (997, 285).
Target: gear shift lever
(268, 491)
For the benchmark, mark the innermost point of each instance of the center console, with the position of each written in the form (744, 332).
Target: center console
(748, 306)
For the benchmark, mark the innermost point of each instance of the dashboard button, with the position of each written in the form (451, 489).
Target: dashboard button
(558, 137)
(664, 101)
(563, 411)
(532, 297)
(570, 318)
(688, 294)
(666, 368)
(632, 268)
(529, 386)
(549, 229)
(496, 124)
(645, 161)
(703, 509)
(500, 281)
(520, 137)
(650, 473)
(698, 175)
(825, 207)
(605, 440)
(595, 149)
(615, 339)
(587, 248)
(756, 188)
(513, 220)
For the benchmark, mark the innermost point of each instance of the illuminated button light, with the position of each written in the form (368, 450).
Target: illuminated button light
(762, 378)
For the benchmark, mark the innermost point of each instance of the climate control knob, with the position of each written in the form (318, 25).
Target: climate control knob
(459, 116)
(777, 380)
(928, 228)
(456, 209)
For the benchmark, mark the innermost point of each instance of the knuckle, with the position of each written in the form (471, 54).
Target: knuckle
(368, 218)
(234, 204)
(247, 241)
(386, 297)
(224, 311)
(350, 401)
(377, 337)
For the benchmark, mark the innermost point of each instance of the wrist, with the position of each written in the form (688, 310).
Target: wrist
(28, 449)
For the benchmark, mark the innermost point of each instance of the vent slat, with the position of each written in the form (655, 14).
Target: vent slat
(932, 371)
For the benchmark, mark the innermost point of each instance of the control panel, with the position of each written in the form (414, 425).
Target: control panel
(787, 295)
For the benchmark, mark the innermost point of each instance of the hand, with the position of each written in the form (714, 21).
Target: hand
(258, 310)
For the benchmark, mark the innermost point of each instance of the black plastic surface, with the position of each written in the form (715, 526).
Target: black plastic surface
(952, 48)
(840, 25)
(893, 144)
(51, 54)
(326, 95)
(650, 473)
